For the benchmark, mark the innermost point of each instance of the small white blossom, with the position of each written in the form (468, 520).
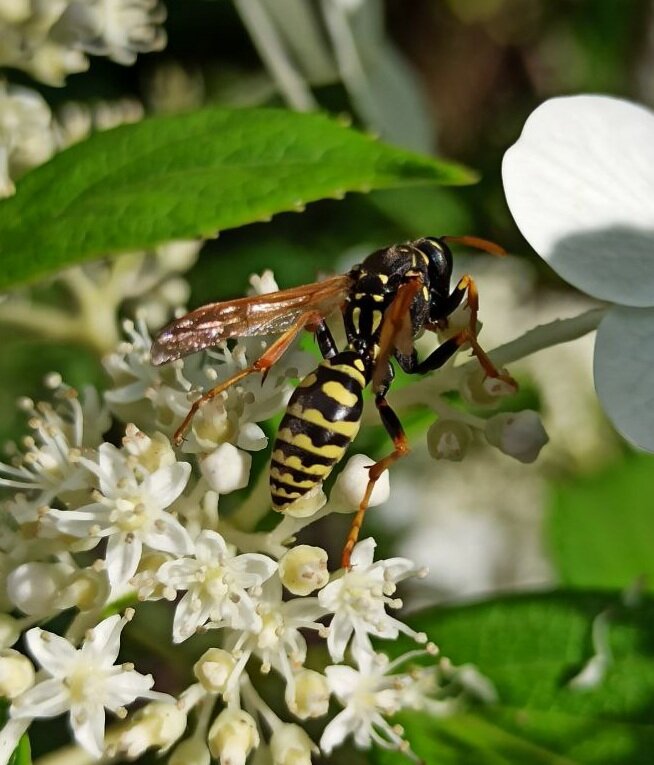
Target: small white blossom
(519, 434)
(130, 510)
(82, 681)
(119, 29)
(290, 745)
(16, 674)
(358, 598)
(226, 468)
(232, 736)
(277, 639)
(368, 694)
(351, 484)
(218, 586)
(26, 133)
(51, 466)
(157, 725)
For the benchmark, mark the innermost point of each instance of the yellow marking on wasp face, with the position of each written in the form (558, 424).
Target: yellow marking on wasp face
(287, 478)
(358, 363)
(296, 463)
(308, 381)
(376, 320)
(350, 371)
(360, 295)
(425, 293)
(356, 315)
(425, 257)
(339, 393)
(302, 441)
(383, 278)
(377, 297)
(315, 417)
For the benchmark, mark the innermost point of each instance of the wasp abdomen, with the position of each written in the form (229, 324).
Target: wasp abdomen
(322, 418)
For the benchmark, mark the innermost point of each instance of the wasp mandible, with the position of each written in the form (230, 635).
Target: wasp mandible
(386, 302)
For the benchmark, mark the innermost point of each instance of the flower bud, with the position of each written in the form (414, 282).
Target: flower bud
(151, 453)
(448, 440)
(350, 486)
(16, 674)
(306, 506)
(34, 587)
(290, 745)
(226, 468)
(88, 588)
(10, 630)
(303, 569)
(213, 669)
(308, 695)
(232, 736)
(479, 389)
(518, 434)
(193, 751)
(157, 725)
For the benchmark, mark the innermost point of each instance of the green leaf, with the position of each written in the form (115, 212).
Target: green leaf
(191, 175)
(530, 647)
(22, 754)
(601, 528)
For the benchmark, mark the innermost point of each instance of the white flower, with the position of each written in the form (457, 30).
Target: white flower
(119, 29)
(358, 599)
(82, 681)
(218, 584)
(26, 133)
(368, 694)
(351, 484)
(580, 185)
(277, 639)
(130, 510)
(51, 466)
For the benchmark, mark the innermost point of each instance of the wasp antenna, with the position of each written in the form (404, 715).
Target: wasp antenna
(478, 244)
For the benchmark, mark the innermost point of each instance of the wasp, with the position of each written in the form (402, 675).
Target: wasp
(386, 302)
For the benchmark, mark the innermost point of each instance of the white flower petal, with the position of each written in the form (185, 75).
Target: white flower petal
(343, 681)
(104, 643)
(624, 372)
(54, 653)
(338, 730)
(122, 558)
(254, 567)
(169, 536)
(580, 185)
(363, 553)
(167, 483)
(251, 437)
(124, 688)
(210, 547)
(87, 723)
(48, 698)
(340, 630)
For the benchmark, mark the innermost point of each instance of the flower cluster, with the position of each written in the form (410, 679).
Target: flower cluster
(102, 510)
(51, 40)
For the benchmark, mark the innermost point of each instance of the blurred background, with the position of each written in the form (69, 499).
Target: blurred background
(453, 77)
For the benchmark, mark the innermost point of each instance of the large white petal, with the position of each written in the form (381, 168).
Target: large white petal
(624, 372)
(103, 644)
(48, 698)
(122, 558)
(169, 536)
(339, 729)
(580, 185)
(87, 723)
(167, 483)
(53, 652)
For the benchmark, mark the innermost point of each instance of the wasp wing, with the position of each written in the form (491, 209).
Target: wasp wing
(260, 315)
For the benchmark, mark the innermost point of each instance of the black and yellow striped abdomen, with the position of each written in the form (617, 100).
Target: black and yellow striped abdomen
(322, 418)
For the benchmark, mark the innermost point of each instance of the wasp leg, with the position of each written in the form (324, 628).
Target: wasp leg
(400, 442)
(465, 286)
(262, 364)
(324, 338)
(396, 330)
